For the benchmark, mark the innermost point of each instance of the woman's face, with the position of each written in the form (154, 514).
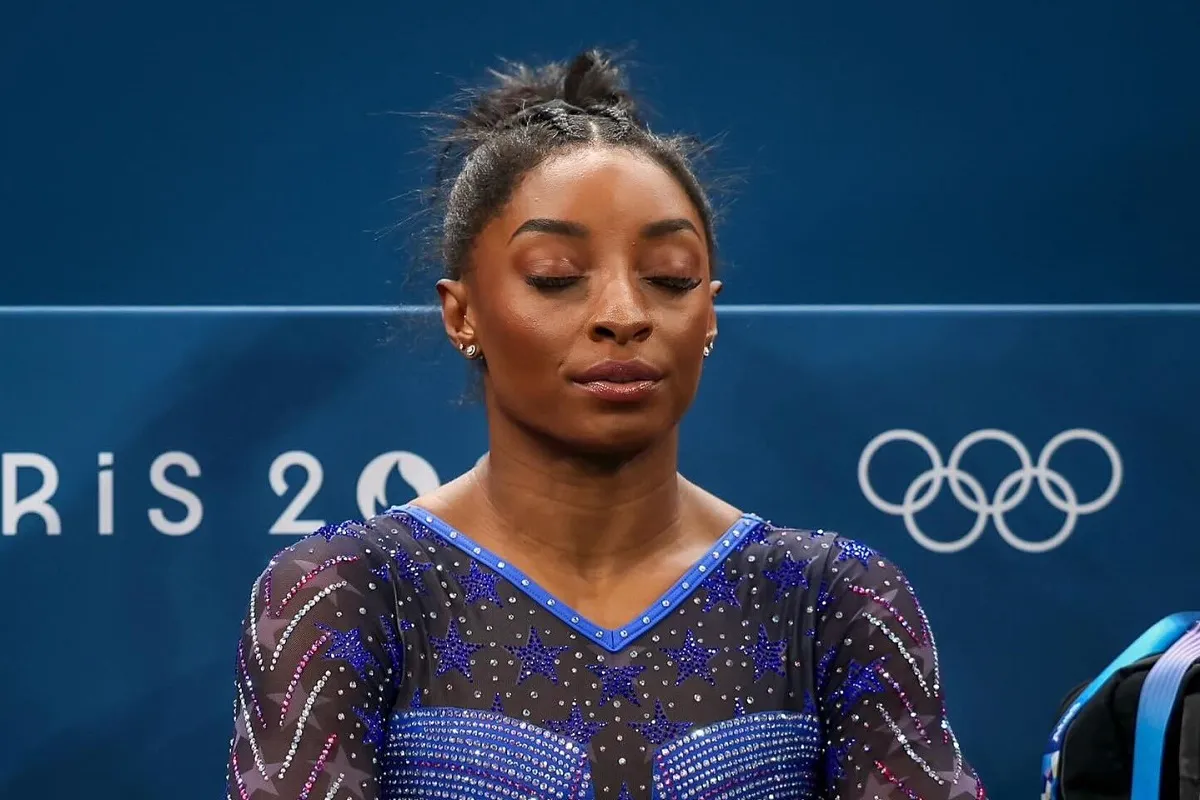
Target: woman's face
(591, 298)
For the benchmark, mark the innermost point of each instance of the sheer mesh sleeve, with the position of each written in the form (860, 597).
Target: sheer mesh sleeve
(316, 669)
(879, 688)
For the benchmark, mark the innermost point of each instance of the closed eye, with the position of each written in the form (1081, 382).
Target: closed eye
(550, 283)
(678, 285)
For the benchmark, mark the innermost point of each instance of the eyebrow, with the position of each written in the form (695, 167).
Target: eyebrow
(562, 227)
(559, 227)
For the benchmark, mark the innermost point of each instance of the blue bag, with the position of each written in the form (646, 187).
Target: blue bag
(1134, 731)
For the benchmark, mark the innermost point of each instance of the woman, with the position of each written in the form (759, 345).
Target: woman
(572, 618)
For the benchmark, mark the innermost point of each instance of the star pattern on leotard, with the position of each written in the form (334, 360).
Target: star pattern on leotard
(824, 598)
(411, 570)
(660, 730)
(617, 682)
(824, 663)
(721, 589)
(417, 529)
(789, 574)
(391, 645)
(854, 551)
(692, 659)
(575, 726)
(861, 680)
(453, 652)
(767, 654)
(373, 724)
(328, 532)
(480, 585)
(706, 658)
(835, 759)
(536, 658)
(759, 533)
(348, 646)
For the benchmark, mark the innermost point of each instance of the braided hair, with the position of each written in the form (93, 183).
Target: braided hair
(530, 114)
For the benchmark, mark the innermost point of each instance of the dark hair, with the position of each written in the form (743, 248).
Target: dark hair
(529, 114)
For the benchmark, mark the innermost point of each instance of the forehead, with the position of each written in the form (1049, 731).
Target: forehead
(601, 187)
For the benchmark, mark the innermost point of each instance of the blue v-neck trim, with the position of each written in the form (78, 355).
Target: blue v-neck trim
(612, 639)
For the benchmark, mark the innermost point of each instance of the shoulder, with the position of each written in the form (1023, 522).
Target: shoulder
(826, 556)
(821, 545)
(352, 551)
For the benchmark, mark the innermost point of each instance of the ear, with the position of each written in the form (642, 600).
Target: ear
(714, 289)
(456, 317)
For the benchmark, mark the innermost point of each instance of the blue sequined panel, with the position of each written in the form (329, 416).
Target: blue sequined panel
(445, 753)
(772, 754)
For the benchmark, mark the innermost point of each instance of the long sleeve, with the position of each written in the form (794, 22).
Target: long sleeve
(317, 666)
(879, 687)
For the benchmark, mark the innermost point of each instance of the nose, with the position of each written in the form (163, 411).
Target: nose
(621, 313)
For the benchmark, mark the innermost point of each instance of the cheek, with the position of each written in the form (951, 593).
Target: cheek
(520, 332)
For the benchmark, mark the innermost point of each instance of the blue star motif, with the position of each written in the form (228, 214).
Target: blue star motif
(759, 533)
(373, 722)
(348, 646)
(835, 758)
(692, 659)
(739, 708)
(617, 682)
(497, 706)
(574, 726)
(810, 705)
(853, 551)
(721, 589)
(861, 680)
(824, 600)
(391, 646)
(382, 571)
(824, 597)
(624, 795)
(536, 658)
(661, 730)
(328, 532)
(822, 670)
(454, 652)
(480, 585)
(790, 574)
(416, 701)
(767, 655)
(411, 570)
(417, 529)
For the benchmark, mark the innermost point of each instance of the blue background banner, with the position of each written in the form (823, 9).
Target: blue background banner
(929, 152)
(121, 636)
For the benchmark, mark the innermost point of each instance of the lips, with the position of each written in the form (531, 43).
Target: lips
(619, 372)
(622, 382)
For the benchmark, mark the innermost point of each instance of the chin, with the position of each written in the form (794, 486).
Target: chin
(617, 435)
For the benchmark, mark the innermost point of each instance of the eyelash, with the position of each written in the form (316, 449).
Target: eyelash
(551, 284)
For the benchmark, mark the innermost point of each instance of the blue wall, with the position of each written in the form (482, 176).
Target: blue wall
(242, 155)
(929, 152)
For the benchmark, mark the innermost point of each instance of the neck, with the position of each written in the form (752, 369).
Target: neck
(590, 513)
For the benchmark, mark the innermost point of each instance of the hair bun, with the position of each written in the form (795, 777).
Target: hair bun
(591, 80)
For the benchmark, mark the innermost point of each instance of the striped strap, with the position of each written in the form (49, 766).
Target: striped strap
(1156, 703)
(1157, 639)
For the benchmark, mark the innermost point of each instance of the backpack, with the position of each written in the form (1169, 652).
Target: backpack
(1133, 732)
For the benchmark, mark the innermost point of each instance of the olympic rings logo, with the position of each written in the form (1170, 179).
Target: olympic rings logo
(1008, 495)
